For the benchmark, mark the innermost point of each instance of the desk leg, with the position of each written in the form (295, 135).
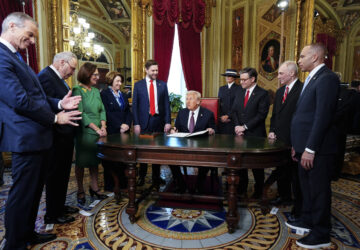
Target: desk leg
(132, 207)
(232, 216)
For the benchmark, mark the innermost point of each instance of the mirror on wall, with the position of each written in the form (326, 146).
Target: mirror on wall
(109, 26)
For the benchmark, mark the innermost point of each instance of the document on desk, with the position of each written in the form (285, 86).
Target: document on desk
(188, 134)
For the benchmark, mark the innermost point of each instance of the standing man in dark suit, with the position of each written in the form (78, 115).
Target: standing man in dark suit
(52, 79)
(313, 137)
(192, 119)
(227, 94)
(27, 116)
(285, 101)
(151, 112)
(249, 113)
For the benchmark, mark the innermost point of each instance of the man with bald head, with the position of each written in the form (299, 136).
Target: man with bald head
(285, 101)
(313, 138)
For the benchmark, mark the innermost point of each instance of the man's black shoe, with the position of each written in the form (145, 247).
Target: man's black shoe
(280, 201)
(298, 225)
(140, 182)
(311, 242)
(59, 220)
(70, 210)
(37, 238)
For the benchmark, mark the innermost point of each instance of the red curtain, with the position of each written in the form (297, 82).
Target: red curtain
(7, 7)
(330, 44)
(190, 23)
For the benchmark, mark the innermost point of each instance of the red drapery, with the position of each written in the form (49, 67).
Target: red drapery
(190, 23)
(7, 7)
(330, 44)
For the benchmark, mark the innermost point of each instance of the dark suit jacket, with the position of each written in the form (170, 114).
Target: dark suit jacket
(115, 116)
(54, 87)
(283, 112)
(26, 113)
(227, 97)
(255, 112)
(204, 120)
(141, 103)
(312, 125)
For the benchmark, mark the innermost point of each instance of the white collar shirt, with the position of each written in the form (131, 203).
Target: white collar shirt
(230, 84)
(8, 45)
(250, 90)
(291, 85)
(56, 71)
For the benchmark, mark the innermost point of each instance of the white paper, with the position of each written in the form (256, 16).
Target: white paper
(300, 232)
(83, 212)
(188, 134)
(49, 227)
(274, 210)
(94, 203)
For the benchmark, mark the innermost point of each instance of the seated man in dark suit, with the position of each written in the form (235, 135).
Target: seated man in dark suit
(191, 119)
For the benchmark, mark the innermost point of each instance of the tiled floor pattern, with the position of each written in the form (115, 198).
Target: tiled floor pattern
(166, 228)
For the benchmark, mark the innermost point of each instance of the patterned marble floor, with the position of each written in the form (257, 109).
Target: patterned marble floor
(108, 227)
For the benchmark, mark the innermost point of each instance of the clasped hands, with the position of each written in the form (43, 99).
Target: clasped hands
(167, 127)
(68, 103)
(225, 119)
(239, 130)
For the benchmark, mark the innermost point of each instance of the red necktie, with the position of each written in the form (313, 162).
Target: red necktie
(246, 98)
(152, 98)
(285, 94)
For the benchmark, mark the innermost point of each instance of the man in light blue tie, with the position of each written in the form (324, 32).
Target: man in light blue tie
(314, 146)
(52, 79)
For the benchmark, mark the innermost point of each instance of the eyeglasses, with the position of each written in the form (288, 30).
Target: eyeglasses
(243, 80)
(96, 75)
(71, 67)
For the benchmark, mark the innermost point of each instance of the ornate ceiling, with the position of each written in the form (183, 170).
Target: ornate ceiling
(348, 11)
(116, 15)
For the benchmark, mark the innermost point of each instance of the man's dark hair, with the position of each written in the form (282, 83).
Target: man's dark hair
(250, 71)
(150, 63)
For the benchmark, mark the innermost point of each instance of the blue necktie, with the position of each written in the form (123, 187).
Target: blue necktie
(19, 56)
(307, 80)
(67, 86)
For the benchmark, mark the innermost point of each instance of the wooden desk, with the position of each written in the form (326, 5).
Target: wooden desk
(219, 151)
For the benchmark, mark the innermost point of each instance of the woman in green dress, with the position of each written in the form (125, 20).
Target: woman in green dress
(93, 126)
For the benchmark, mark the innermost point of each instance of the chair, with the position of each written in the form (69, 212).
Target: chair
(212, 104)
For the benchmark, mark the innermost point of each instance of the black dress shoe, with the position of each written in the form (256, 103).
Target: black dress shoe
(70, 210)
(280, 201)
(140, 182)
(37, 238)
(312, 242)
(97, 194)
(59, 220)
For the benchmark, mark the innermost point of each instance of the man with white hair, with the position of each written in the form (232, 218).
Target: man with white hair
(285, 101)
(27, 116)
(191, 119)
(52, 79)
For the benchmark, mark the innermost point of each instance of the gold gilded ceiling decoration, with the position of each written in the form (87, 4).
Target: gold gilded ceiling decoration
(115, 9)
(272, 14)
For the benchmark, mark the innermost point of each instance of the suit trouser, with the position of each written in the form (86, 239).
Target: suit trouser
(316, 189)
(244, 180)
(28, 174)
(58, 175)
(155, 125)
(2, 166)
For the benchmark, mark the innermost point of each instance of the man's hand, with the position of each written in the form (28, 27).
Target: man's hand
(167, 127)
(103, 131)
(272, 136)
(239, 130)
(307, 160)
(211, 131)
(137, 129)
(293, 153)
(173, 130)
(225, 119)
(124, 127)
(70, 102)
(68, 117)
